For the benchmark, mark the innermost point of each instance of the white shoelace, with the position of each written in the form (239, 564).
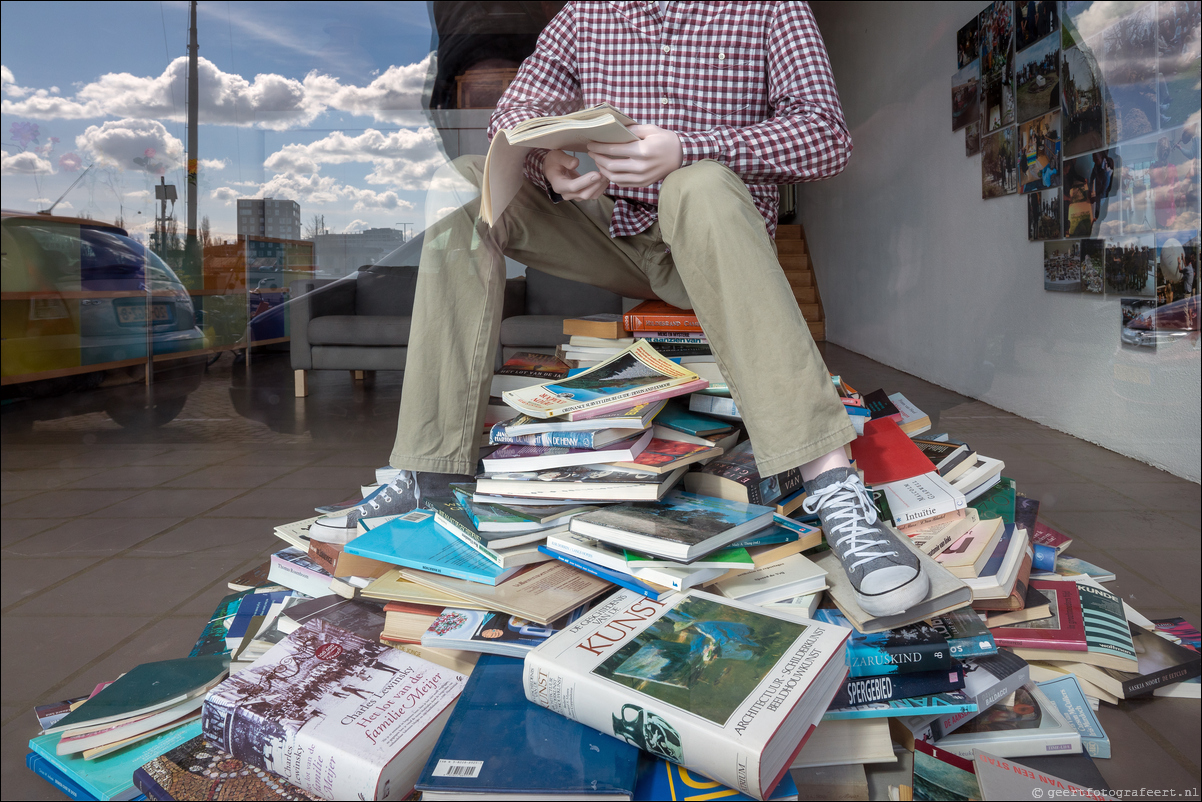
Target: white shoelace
(394, 485)
(841, 504)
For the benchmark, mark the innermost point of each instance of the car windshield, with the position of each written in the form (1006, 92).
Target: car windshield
(107, 260)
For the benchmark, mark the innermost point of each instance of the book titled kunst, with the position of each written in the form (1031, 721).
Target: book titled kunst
(708, 683)
(334, 714)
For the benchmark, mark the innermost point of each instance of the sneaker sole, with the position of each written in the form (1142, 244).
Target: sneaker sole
(898, 600)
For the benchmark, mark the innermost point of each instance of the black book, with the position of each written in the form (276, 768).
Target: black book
(879, 406)
(905, 650)
(1079, 768)
(1161, 662)
(867, 690)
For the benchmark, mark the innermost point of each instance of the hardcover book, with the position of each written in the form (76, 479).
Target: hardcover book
(1024, 723)
(683, 526)
(659, 779)
(659, 316)
(1183, 633)
(1066, 694)
(997, 502)
(498, 744)
(885, 454)
(1161, 663)
(583, 484)
(333, 713)
(942, 775)
(922, 498)
(1063, 630)
(917, 647)
(518, 457)
(966, 633)
(196, 770)
(491, 632)
(1001, 779)
(705, 682)
(638, 375)
(1108, 638)
(886, 688)
(734, 476)
(604, 325)
(674, 416)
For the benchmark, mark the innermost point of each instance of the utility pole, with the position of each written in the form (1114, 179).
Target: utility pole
(192, 256)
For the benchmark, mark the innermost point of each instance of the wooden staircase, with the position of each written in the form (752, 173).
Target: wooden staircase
(795, 261)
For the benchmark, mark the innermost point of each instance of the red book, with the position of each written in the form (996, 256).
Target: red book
(1045, 535)
(660, 317)
(885, 454)
(1064, 631)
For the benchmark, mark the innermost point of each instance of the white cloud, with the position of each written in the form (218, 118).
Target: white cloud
(316, 189)
(226, 195)
(214, 164)
(27, 163)
(269, 101)
(355, 225)
(406, 159)
(133, 145)
(42, 203)
(138, 194)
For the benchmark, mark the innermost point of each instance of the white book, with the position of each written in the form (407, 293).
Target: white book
(914, 420)
(922, 497)
(589, 550)
(1041, 730)
(848, 741)
(798, 605)
(717, 686)
(998, 586)
(678, 578)
(516, 458)
(714, 405)
(581, 340)
(795, 575)
(983, 469)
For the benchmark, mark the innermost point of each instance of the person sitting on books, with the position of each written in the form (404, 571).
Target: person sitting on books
(733, 99)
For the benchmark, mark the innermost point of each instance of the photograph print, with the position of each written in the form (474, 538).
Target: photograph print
(1093, 266)
(1128, 61)
(1033, 20)
(1175, 169)
(997, 39)
(1179, 92)
(1043, 215)
(1177, 274)
(1135, 186)
(1062, 265)
(1037, 78)
(999, 169)
(1084, 19)
(966, 97)
(968, 43)
(1091, 206)
(1138, 322)
(1131, 266)
(702, 657)
(997, 105)
(1083, 100)
(1039, 153)
(972, 139)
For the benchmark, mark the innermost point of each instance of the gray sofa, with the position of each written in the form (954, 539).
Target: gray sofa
(361, 322)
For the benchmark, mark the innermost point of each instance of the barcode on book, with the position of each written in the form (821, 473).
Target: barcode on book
(458, 768)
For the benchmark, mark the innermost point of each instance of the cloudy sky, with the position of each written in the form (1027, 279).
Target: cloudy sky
(319, 103)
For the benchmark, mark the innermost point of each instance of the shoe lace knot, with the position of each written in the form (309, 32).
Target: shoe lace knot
(849, 516)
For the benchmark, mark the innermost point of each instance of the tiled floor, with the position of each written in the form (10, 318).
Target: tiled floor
(117, 544)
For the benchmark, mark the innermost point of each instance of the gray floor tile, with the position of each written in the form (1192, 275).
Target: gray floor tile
(17, 781)
(280, 505)
(163, 502)
(1139, 756)
(230, 474)
(109, 457)
(190, 456)
(17, 529)
(1107, 530)
(129, 476)
(65, 503)
(9, 496)
(25, 577)
(23, 458)
(1079, 496)
(1177, 720)
(91, 537)
(278, 458)
(1168, 493)
(45, 479)
(212, 536)
(327, 478)
(1176, 572)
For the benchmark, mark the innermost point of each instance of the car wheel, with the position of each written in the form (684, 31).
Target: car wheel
(138, 415)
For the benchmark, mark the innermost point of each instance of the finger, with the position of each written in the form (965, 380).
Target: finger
(618, 149)
(586, 181)
(642, 131)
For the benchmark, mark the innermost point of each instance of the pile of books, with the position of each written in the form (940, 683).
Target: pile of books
(621, 600)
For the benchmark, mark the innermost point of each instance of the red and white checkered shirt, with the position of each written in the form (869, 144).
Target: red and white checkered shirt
(747, 84)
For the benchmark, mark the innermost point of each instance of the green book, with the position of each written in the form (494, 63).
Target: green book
(997, 501)
(148, 688)
(731, 557)
(212, 638)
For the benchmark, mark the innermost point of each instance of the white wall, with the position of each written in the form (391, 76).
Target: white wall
(916, 271)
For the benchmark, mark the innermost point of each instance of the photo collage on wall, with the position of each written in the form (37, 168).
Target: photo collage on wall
(1091, 110)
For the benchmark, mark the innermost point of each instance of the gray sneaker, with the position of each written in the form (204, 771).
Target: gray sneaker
(398, 497)
(887, 576)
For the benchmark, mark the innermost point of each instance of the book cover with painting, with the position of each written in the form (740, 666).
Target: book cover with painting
(333, 713)
(708, 683)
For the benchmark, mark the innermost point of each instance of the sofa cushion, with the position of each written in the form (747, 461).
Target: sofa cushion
(385, 291)
(360, 330)
(537, 330)
(549, 295)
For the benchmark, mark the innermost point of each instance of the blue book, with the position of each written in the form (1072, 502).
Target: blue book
(609, 575)
(496, 743)
(867, 690)
(414, 540)
(917, 647)
(674, 416)
(659, 779)
(50, 773)
(1066, 694)
(111, 776)
(939, 704)
(966, 633)
(772, 536)
(999, 553)
(251, 606)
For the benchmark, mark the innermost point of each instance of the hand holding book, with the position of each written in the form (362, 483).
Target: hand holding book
(650, 158)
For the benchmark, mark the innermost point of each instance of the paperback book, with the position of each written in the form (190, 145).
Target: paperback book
(987, 680)
(588, 483)
(196, 770)
(858, 691)
(937, 704)
(734, 476)
(1108, 641)
(1024, 723)
(1066, 694)
(524, 369)
(491, 632)
(966, 633)
(942, 775)
(917, 647)
(1000, 779)
(705, 682)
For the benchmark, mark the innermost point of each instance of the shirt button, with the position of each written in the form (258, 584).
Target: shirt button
(664, 100)
(667, 49)
(721, 56)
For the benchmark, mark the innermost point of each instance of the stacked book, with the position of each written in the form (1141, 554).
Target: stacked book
(623, 601)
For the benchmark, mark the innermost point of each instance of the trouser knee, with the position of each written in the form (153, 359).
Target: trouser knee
(715, 185)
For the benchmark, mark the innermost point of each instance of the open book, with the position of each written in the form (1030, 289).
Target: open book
(503, 167)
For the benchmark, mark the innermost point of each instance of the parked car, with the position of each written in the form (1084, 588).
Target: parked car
(1163, 324)
(78, 298)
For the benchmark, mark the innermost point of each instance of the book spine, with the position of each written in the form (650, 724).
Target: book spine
(621, 580)
(659, 322)
(975, 646)
(549, 439)
(467, 537)
(672, 339)
(873, 661)
(324, 554)
(897, 710)
(1142, 685)
(869, 690)
(50, 773)
(714, 405)
(148, 786)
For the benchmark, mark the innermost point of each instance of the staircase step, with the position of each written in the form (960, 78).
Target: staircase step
(794, 261)
(800, 278)
(817, 330)
(790, 246)
(792, 231)
(806, 295)
(811, 312)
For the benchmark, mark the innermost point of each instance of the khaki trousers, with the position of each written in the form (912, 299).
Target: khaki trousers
(709, 252)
